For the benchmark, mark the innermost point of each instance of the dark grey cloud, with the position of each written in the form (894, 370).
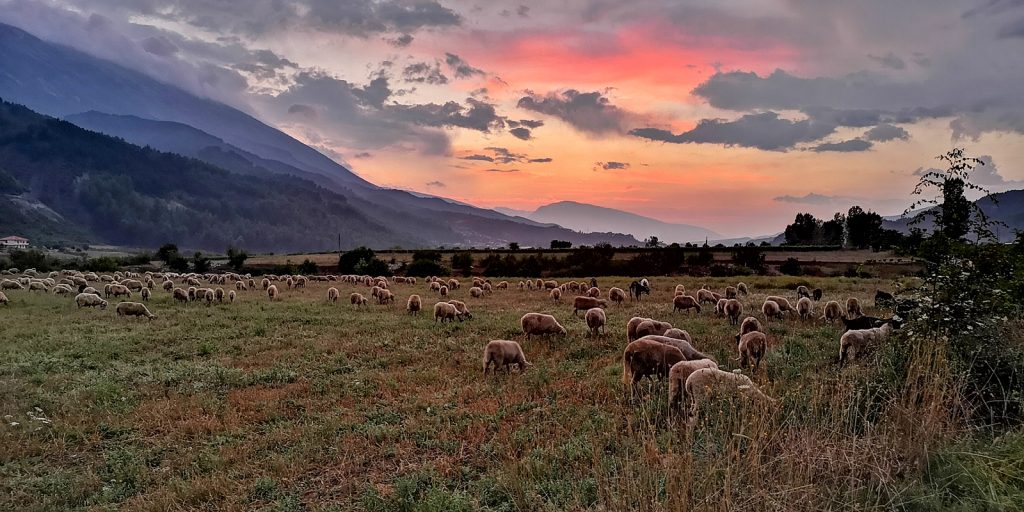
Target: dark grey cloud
(765, 131)
(521, 133)
(816, 199)
(846, 146)
(501, 155)
(1013, 29)
(475, 115)
(611, 166)
(482, 158)
(159, 45)
(495, 169)
(885, 133)
(375, 93)
(362, 154)
(302, 110)
(401, 41)
(436, 184)
(544, 160)
(889, 60)
(424, 73)
(460, 68)
(589, 112)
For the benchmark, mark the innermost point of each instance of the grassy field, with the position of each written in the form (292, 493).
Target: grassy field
(303, 405)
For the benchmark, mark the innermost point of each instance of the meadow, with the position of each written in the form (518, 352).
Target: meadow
(300, 404)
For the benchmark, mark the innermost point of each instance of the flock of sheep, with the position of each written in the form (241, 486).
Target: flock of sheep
(655, 348)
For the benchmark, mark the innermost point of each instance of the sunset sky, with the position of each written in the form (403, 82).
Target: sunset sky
(732, 115)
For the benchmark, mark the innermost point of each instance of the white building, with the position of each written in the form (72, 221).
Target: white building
(14, 242)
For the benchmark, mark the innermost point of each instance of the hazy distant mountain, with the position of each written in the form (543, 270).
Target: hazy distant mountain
(587, 217)
(1008, 208)
(106, 97)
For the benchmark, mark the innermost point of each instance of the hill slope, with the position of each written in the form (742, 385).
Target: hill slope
(588, 217)
(102, 188)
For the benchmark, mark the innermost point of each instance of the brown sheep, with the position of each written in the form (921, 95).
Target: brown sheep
(679, 290)
(853, 308)
(733, 309)
(332, 295)
(461, 310)
(802, 292)
(357, 299)
(134, 309)
(594, 292)
(832, 312)
(556, 294)
(750, 324)
(651, 327)
(504, 353)
(414, 304)
(272, 292)
(730, 292)
(180, 295)
(771, 309)
(631, 327)
(752, 347)
(117, 290)
(146, 294)
(444, 312)
(539, 324)
(443, 291)
(582, 303)
(219, 294)
(805, 308)
(707, 297)
(647, 358)
(677, 376)
(689, 352)
(742, 288)
(678, 334)
(596, 320)
(231, 297)
(709, 381)
(685, 303)
(617, 295)
(720, 307)
(784, 305)
(476, 292)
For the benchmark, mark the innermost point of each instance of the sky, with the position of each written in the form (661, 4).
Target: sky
(728, 114)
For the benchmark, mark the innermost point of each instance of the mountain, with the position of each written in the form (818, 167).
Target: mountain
(59, 182)
(1006, 207)
(105, 97)
(587, 217)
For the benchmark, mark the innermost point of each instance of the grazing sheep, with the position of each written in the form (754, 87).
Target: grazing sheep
(679, 290)
(38, 286)
(461, 310)
(883, 299)
(771, 309)
(851, 343)
(647, 358)
(62, 289)
(231, 297)
(689, 352)
(678, 334)
(445, 312)
(414, 304)
(539, 324)
(730, 292)
(240, 285)
(252, 284)
(596, 320)
(3, 299)
(707, 381)
(146, 294)
(556, 294)
(90, 300)
(549, 285)
(504, 353)
(219, 294)
(784, 305)
(832, 312)
(435, 286)
(180, 295)
(742, 288)
(720, 307)
(168, 285)
(817, 294)
(333, 295)
(443, 291)
(853, 308)
(265, 283)
(650, 327)
(685, 303)
(134, 309)
(733, 309)
(617, 295)
(631, 327)
(272, 292)
(804, 308)
(385, 297)
(476, 292)
(581, 303)
(677, 376)
(117, 290)
(706, 297)
(750, 324)
(453, 284)
(802, 292)
(752, 347)
(522, 285)
(594, 292)
(357, 299)
(487, 288)
(210, 296)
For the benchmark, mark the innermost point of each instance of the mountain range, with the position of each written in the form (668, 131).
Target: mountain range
(588, 217)
(108, 98)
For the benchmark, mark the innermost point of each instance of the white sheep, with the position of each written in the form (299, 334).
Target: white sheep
(444, 312)
(134, 309)
(413, 305)
(833, 311)
(90, 300)
(596, 319)
(539, 324)
(333, 295)
(504, 353)
(851, 343)
(805, 308)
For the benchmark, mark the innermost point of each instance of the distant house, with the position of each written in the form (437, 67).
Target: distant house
(14, 242)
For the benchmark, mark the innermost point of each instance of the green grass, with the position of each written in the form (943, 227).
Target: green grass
(303, 405)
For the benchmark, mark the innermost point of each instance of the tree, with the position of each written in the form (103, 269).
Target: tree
(513, 246)
(166, 252)
(955, 216)
(349, 259)
(308, 267)
(561, 244)
(803, 231)
(236, 258)
(862, 227)
(833, 232)
(652, 242)
(463, 261)
(200, 263)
